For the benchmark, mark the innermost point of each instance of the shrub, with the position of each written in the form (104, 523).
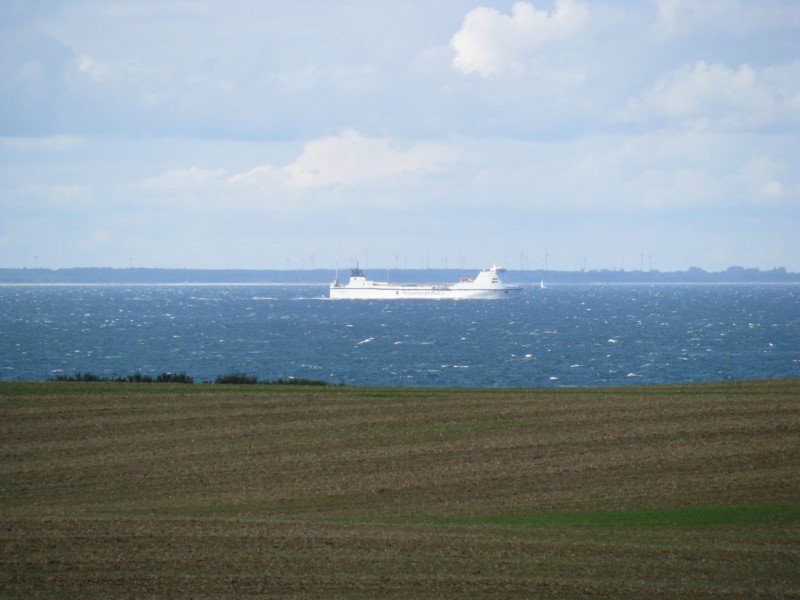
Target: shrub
(236, 378)
(175, 378)
(80, 377)
(139, 378)
(295, 381)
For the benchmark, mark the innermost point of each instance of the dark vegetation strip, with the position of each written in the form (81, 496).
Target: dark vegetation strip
(167, 377)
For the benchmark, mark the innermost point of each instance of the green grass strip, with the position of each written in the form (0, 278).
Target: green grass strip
(770, 513)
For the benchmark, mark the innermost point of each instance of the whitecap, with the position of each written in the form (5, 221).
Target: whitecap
(369, 340)
(612, 341)
(554, 378)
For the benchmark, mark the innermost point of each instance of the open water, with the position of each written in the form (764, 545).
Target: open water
(559, 336)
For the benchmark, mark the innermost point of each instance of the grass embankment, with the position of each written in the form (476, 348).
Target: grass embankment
(130, 490)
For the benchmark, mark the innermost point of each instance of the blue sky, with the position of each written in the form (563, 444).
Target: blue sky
(267, 134)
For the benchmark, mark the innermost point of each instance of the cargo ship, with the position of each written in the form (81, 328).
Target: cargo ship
(485, 286)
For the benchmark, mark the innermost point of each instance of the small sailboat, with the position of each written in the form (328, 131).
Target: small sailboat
(541, 284)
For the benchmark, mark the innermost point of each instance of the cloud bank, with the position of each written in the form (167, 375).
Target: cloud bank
(352, 159)
(741, 97)
(346, 161)
(239, 134)
(489, 41)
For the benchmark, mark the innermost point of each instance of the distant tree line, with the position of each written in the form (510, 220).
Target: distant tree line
(230, 378)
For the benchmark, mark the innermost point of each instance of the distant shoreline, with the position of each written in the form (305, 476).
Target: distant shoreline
(147, 276)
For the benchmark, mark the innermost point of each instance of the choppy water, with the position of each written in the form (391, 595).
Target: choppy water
(560, 336)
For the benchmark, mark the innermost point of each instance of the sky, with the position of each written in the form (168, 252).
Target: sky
(297, 134)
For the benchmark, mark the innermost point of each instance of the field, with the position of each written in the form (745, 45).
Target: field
(113, 489)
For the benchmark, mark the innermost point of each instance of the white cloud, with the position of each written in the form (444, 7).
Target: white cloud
(764, 180)
(644, 173)
(183, 179)
(681, 17)
(125, 82)
(675, 14)
(369, 169)
(772, 189)
(52, 195)
(98, 71)
(352, 159)
(672, 189)
(260, 176)
(740, 97)
(665, 173)
(123, 10)
(489, 41)
(45, 144)
(99, 237)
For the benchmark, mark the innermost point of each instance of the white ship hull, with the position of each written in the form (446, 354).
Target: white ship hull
(419, 293)
(486, 286)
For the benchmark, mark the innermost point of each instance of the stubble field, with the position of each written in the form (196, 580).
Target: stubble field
(208, 490)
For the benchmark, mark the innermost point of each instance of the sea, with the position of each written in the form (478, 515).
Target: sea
(560, 336)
